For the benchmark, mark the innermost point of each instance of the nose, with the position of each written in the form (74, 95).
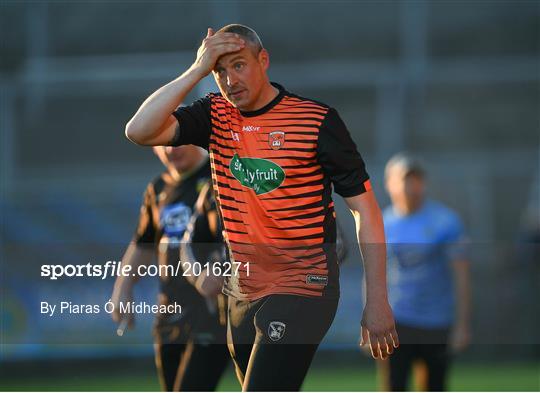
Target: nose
(231, 79)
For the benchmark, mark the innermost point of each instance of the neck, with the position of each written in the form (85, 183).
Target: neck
(178, 175)
(268, 93)
(407, 209)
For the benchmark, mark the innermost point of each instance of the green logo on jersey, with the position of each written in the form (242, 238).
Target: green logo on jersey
(260, 175)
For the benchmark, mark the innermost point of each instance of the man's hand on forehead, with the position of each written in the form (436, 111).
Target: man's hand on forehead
(213, 47)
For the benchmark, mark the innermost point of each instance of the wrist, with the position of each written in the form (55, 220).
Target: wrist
(376, 294)
(197, 72)
(377, 299)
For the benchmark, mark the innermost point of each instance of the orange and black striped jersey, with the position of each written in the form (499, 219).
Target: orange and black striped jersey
(273, 171)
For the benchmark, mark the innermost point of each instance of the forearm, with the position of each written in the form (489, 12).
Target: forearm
(372, 245)
(371, 239)
(154, 124)
(134, 256)
(153, 118)
(463, 292)
(123, 287)
(378, 327)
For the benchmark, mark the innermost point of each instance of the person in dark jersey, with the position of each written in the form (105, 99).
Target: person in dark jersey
(428, 279)
(190, 350)
(275, 159)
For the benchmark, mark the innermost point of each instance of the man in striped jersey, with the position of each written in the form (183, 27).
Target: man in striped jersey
(275, 157)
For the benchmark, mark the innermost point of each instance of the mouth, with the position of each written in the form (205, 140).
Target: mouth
(237, 93)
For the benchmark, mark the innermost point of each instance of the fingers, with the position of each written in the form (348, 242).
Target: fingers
(384, 347)
(364, 339)
(387, 344)
(216, 45)
(227, 47)
(395, 338)
(219, 38)
(374, 345)
(381, 345)
(115, 315)
(118, 317)
(367, 338)
(227, 39)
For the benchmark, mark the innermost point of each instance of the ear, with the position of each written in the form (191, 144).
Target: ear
(264, 59)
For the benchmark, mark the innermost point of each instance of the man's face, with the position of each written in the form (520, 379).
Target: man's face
(241, 77)
(406, 189)
(183, 158)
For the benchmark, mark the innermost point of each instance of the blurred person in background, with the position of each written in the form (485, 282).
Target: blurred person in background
(275, 158)
(203, 241)
(428, 279)
(190, 349)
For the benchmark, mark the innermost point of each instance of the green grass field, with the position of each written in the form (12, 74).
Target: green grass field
(463, 377)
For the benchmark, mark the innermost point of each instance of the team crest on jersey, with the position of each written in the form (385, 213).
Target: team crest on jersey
(276, 330)
(174, 219)
(276, 139)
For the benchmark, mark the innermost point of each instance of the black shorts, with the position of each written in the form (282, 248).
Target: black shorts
(190, 348)
(273, 339)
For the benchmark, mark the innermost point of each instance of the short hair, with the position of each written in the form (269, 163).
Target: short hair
(407, 162)
(247, 33)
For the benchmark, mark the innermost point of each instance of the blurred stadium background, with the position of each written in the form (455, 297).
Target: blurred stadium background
(456, 82)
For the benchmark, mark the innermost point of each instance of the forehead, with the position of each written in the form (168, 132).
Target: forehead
(399, 172)
(243, 54)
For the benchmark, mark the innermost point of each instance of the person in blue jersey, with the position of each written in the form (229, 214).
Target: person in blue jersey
(428, 279)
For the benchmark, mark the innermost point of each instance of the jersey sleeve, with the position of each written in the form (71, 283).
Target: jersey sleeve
(194, 124)
(146, 229)
(339, 158)
(456, 240)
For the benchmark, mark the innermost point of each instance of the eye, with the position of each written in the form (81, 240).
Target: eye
(220, 71)
(238, 66)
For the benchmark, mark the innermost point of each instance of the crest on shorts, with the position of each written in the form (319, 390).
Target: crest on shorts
(276, 330)
(276, 139)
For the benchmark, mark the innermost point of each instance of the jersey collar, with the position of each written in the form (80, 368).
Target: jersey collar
(268, 106)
